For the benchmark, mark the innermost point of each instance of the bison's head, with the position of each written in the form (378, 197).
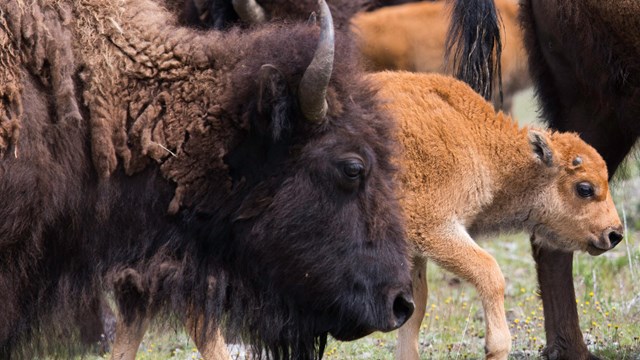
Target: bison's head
(317, 234)
(576, 211)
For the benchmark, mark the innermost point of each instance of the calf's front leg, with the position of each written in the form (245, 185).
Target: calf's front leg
(453, 249)
(128, 338)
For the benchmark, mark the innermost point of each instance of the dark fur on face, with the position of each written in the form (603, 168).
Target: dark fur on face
(266, 234)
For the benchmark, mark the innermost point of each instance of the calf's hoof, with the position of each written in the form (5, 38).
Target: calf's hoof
(501, 353)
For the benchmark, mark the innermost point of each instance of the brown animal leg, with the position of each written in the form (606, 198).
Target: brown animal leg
(128, 338)
(210, 349)
(564, 338)
(408, 334)
(456, 251)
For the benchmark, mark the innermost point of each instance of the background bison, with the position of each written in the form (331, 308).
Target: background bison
(147, 157)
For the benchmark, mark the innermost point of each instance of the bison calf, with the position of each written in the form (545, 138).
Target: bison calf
(470, 171)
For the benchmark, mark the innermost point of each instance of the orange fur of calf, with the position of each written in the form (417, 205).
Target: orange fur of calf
(412, 37)
(469, 170)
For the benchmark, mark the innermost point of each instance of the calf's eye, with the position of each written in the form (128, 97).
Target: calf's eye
(585, 189)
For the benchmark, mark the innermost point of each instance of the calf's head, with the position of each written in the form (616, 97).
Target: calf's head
(576, 211)
(317, 228)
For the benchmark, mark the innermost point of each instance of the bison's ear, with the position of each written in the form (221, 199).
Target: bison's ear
(273, 103)
(540, 147)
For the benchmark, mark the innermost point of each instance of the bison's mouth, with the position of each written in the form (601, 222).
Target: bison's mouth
(351, 335)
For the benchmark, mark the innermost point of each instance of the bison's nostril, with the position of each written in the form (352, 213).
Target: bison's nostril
(402, 309)
(614, 237)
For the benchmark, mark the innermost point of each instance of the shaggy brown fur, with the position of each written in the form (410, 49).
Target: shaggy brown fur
(412, 37)
(515, 179)
(583, 58)
(142, 144)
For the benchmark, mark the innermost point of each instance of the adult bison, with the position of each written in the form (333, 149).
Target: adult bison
(583, 57)
(253, 186)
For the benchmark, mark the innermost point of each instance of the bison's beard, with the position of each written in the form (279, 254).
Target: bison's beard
(275, 328)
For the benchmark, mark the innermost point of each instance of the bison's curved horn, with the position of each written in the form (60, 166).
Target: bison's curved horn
(249, 11)
(312, 91)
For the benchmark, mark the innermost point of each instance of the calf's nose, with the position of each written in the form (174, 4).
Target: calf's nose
(614, 236)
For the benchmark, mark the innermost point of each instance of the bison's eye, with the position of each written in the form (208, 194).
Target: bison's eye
(353, 169)
(585, 189)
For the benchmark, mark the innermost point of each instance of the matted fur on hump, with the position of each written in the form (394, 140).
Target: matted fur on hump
(36, 39)
(148, 87)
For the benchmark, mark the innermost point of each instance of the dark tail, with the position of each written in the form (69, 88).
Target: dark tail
(473, 44)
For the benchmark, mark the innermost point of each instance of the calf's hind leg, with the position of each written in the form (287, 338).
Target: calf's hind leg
(453, 249)
(409, 333)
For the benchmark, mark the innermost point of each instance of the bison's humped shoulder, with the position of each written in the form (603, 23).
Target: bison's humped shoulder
(152, 90)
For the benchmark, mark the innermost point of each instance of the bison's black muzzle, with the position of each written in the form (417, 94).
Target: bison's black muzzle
(401, 309)
(398, 309)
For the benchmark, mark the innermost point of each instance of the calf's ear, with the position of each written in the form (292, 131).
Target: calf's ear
(540, 147)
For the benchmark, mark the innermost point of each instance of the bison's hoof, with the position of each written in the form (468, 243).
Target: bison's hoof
(558, 353)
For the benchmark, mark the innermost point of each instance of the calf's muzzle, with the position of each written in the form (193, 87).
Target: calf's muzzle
(609, 238)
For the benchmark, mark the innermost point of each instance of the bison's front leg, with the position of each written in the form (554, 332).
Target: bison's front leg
(211, 343)
(128, 338)
(564, 338)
